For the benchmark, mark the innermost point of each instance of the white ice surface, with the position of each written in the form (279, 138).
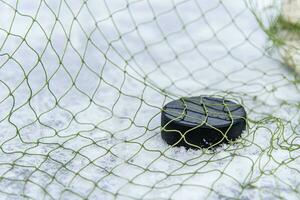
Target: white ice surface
(79, 118)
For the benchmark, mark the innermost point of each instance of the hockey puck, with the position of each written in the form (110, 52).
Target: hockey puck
(202, 122)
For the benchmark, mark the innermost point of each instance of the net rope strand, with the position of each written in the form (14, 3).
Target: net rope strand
(83, 85)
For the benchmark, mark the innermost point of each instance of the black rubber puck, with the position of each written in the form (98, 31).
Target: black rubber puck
(202, 122)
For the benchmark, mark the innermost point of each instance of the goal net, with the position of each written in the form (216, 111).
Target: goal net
(82, 85)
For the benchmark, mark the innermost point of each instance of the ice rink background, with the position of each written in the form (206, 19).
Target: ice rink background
(81, 88)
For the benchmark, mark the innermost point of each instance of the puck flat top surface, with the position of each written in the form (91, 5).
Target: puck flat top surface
(204, 111)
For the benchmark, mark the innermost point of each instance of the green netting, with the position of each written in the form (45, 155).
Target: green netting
(82, 85)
